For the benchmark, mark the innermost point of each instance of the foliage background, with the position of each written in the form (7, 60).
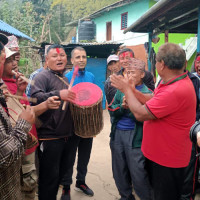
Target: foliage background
(44, 21)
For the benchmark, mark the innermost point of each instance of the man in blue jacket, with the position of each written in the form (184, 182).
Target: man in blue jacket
(84, 145)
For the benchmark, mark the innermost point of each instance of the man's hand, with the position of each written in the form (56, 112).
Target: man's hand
(67, 95)
(124, 103)
(121, 83)
(28, 114)
(53, 102)
(21, 86)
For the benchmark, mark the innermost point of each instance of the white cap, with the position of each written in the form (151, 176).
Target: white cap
(9, 52)
(112, 58)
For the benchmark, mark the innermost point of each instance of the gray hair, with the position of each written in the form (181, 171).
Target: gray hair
(172, 55)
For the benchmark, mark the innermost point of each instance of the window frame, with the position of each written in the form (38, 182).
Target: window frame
(123, 14)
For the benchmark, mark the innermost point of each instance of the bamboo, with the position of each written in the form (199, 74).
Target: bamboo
(23, 77)
(33, 100)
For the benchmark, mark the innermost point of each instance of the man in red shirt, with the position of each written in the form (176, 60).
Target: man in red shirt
(168, 116)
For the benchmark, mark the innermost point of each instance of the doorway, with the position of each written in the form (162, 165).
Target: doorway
(108, 31)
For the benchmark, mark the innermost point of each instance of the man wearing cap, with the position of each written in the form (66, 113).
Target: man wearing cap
(17, 86)
(14, 46)
(114, 67)
(12, 143)
(128, 162)
(124, 56)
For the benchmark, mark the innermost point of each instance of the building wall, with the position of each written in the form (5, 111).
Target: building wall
(177, 38)
(135, 10)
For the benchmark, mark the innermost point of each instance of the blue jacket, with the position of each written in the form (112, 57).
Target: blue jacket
(83, 76)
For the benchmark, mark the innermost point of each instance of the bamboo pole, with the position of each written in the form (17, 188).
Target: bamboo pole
(23, 77)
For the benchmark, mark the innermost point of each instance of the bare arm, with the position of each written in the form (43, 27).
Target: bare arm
(142, 98)
(139, 110)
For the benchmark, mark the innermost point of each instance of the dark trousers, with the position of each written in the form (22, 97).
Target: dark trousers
(191, 176)
(128, 166)
(84, 146)
(166, 182)
(54, 161)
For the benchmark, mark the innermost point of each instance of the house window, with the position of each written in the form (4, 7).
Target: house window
(124, 20)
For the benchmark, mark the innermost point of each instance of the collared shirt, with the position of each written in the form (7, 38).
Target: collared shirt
(166, 138)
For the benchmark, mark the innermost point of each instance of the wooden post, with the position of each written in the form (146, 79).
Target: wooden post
(149, 53)
(166, 36)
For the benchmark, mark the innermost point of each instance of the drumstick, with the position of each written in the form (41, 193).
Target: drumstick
(34, 100)
(23, 77)
(71, 83)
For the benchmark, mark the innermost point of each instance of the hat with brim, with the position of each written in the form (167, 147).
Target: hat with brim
(3, 39)
(112, 58)
(9, 53)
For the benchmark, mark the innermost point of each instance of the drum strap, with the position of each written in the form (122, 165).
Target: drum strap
(67, 84)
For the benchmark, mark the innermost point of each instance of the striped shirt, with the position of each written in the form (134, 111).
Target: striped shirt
(32, 76)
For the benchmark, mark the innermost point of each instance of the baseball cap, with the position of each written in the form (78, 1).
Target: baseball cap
(9, 52)
(3, 38)
(112, 58)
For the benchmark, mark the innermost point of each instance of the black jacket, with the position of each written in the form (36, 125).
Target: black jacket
(55, 123)
(196, 84)
(109, 91)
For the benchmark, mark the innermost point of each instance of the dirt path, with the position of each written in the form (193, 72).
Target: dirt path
(99, 176)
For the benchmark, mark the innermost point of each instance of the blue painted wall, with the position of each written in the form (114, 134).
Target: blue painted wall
(135, 10)
(97, 66)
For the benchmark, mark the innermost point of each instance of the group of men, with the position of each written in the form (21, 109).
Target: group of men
(55, 131)
(167, 114)
(149, 141)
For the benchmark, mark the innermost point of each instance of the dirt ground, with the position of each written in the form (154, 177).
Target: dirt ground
(99, 176)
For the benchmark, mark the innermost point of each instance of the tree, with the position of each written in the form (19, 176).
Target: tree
(81, 8)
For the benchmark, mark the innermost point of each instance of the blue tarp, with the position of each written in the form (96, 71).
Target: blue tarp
(97, 66)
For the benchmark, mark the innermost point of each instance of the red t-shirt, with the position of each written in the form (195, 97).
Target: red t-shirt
(166, 139)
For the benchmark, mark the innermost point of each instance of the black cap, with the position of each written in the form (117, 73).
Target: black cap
(3, 39)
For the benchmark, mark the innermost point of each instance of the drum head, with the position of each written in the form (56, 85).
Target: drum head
(87, 94)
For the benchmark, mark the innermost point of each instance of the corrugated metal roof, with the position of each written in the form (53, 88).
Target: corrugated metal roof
(180, 16)
(99, 50)
(6, 28)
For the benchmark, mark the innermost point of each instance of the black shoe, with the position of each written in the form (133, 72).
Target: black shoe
(66, 195)
(84, 188)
